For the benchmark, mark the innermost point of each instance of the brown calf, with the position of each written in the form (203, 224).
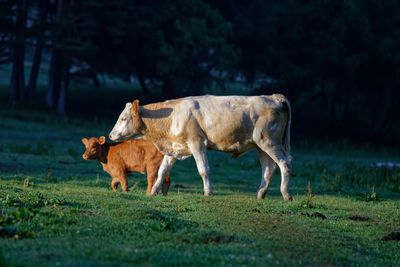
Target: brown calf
(122, 158)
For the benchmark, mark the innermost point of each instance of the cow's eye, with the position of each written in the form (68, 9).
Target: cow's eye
(123, 119)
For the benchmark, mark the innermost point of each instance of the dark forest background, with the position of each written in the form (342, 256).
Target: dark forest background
(338, 61)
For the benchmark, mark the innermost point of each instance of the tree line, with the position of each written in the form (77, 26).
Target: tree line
(341, 58)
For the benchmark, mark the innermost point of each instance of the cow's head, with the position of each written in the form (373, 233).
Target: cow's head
(93, 147)
(129, 123)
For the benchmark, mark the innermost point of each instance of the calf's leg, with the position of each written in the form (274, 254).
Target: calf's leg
(165, 185)
(114, 184)
(268, 167)
(124, 183)
(199, 152)
(163, 172)
(151, 179)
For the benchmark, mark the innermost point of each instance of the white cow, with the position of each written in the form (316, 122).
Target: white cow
(234, 124)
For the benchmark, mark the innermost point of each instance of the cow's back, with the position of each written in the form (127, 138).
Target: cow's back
(225, 123)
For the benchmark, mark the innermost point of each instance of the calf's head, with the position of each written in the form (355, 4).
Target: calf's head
(129, 123)
(93, 147)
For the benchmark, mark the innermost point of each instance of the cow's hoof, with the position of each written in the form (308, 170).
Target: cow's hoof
(153, 193)
(288, 198)
(260, 195)
(207, 193)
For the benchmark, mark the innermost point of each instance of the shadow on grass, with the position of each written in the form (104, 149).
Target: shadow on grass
(184, 231)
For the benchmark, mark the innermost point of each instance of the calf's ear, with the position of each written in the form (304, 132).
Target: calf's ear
(84, 140)
(135, 107)
(102, 140)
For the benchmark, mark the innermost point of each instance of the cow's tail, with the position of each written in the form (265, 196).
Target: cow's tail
(286, 139)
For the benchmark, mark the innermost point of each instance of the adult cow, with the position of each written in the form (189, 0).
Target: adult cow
(234, 124)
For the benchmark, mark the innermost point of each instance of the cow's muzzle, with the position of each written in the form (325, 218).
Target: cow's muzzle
(113, 137)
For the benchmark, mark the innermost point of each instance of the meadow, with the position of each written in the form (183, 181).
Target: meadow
(59, 210)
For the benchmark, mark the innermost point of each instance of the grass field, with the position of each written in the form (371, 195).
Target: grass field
(59, 210)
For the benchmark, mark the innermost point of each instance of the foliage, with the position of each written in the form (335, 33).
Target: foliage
(330, 56)
(372, 196)
(28, 207)
(173, 46)
(351, 174)
(43, 147)
(306, 204)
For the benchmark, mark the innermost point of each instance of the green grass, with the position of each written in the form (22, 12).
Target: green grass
(57, 209)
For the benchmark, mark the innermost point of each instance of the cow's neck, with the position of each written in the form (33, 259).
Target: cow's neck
(156, 123)
(156, 130)
(154, 134)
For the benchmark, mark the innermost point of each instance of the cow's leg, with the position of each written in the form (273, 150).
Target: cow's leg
(151, 180)
(163, 172)
(268, 167)
(284, 162)
(199, 152)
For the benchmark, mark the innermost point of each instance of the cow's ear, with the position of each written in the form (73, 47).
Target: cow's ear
(102, 140)
(84, 140)
(135, 107)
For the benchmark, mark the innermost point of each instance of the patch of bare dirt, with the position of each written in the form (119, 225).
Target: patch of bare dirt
(358, 218)
(392, 236)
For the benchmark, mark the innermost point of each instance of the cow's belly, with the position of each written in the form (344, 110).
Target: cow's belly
(232, 138)
(174, 149)
(236, 146)
(182, 151)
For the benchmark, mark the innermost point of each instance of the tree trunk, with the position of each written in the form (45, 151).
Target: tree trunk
(62, 97)
(15, 92)
(31, 90)
(53, 88)
(17, 83)
(56, 65)
(389, 111)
